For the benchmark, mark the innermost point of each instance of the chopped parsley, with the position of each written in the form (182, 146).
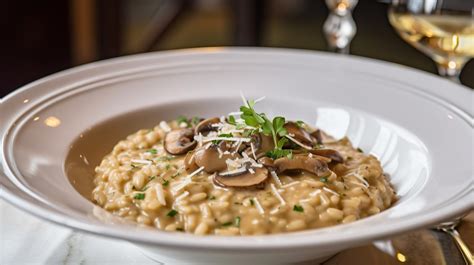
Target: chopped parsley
(227, 224)
(300, 123)
(165, 158)
(298, 208)
(172, 213)
(150, 178)
(360, 150)
(212, 197)
(166, 182)
(182, 119)
(252, 202)
(152, 151)
(189, 122)
(225, 135)
(139, 196)
(324, 179)
(237, 221)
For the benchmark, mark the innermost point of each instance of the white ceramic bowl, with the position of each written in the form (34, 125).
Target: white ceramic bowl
(55, 130)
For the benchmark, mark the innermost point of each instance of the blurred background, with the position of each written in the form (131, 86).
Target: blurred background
(43, 37)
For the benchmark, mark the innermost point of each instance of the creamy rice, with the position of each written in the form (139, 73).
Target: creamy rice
(141, 182)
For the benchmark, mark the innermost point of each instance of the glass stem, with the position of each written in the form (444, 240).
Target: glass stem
(450, 70)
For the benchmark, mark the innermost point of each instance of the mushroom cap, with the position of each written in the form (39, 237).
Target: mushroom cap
(299, 133)
(205, 126)
(189, 162)
(266, 161)
(329, 153)
(241, 179)
(261, 143)
(316, 165)
(317, 136)
(180, 141)
(210, 159)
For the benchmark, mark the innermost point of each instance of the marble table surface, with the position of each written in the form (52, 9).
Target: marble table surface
(25, 239)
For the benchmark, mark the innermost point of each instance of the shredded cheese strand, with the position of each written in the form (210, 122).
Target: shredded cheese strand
(275, 178)
(331, 191)
(164, 125)
(258, 206)
(277, 194)
(298, 142)
(141, 161)
(160, 195)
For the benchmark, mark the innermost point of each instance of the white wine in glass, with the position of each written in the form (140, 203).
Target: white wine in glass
(446, 35)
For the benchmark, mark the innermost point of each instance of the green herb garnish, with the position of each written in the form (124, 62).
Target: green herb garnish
(182, 119)
(152, 151)
(298, 208)
(172, 213)
(237, 221)
(227, 224)
(165, 158)
(360, 150)
(139, 196)
(252, 202)
(225, 135)
(194, 121)
(300, 123)
(166, 182)
(150, 178)
(231, 120)
(324, 179)
(212, 198)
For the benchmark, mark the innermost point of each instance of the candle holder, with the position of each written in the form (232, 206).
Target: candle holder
(340, 28)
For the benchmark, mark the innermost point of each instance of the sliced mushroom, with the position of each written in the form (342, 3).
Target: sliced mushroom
(261, 144)
(205, 126)
(266, 161)
(189, 162)
(211, 159)
(329, 153)
(314, 164)
(317, 136)
(241, 178)
(178, 142)
(299, 133)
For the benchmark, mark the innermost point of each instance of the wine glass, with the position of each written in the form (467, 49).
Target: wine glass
(442, 29)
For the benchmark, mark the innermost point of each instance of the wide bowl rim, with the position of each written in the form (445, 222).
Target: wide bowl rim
(462, 204)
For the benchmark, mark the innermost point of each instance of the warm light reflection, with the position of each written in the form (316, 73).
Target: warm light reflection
(26, 101)
(342, 6)
(401, 257)
(52, 121)
(36, 118)
(452, 65)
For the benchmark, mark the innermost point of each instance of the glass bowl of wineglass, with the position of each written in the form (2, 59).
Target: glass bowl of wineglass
(442, 29)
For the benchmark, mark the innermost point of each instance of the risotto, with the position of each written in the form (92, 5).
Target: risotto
(243, 174)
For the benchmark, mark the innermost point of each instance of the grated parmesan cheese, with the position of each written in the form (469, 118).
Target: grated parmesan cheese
(231, 139)
(181, 196)
(290, 184)
(160, 195)
(298, 142)
(331, 191)
(275, 178)
(277, 194)
(366, 184)
(141, 161)
(164, 125)
(253, 151)
(258, 206)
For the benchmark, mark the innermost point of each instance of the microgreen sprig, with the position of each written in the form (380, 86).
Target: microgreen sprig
(262, 123)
